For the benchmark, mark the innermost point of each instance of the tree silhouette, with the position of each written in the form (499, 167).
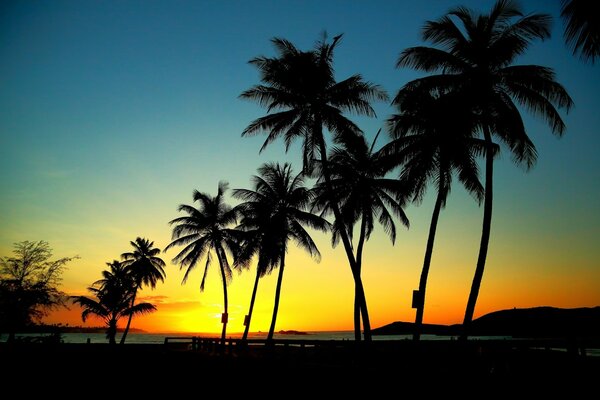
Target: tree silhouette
(29, 285)
(582, 28)
(203, 231)
(276, 210)
(301, 95)
(145, 268)
(364, 194)
(111, 299)
(432, 138)
(476, 57)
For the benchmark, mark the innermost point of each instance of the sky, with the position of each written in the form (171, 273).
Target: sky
(113, 112)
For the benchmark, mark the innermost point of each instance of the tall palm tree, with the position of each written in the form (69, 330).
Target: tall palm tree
(432, 139)
(256, 241)
(145, 267)
(582, 28)
(475, 56)
(112, 299)
(277, 209)
(204, 231)
(301, 95)
(364, 194)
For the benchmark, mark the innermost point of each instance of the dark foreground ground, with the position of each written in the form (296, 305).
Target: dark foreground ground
(472, 370)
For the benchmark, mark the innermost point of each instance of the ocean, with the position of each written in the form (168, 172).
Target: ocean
(159, 338)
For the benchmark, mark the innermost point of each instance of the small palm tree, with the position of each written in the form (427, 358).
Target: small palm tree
(302, 97)
(358, 177)
(145, 268)
(203, 231)
(582, 28)
(277, 210)
(476, 57)
(112, 299)
(432, 137)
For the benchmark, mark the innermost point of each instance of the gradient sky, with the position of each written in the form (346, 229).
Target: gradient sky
(112, 113)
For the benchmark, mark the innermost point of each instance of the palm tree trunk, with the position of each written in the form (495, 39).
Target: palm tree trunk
(111, 332)
(277, 295)
(485, 234)
(426, 264)
(357, 304)
(247, 328)
(347, 244)
(225, 316)
(130, 316)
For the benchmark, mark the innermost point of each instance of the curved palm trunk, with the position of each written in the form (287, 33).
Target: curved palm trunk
(426, 263)
(225, 317)
(359, 289)
(485, 235)
(247, 328)
(277, 295)
(126, 331)
(357, 303)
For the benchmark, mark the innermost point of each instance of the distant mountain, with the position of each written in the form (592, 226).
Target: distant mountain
(524, 322)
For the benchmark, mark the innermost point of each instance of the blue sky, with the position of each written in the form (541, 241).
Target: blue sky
(112, 112)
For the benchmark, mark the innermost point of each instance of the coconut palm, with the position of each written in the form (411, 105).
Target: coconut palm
(111, 299)
(358, 176)
(432, 139)
(277, 210)
(475, 55)
(146, 269)
(255, 241)
(582, 28)
(301, 95)
(203, 231)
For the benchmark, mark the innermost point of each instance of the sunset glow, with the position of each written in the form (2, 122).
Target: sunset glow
(112, 113)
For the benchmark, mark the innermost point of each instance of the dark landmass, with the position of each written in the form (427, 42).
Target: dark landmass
(538, 322)
(292, 332)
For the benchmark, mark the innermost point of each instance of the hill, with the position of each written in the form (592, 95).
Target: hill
(525, 322)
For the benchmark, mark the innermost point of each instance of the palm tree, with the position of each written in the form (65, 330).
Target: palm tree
(277, 210)
(302, 96)
(476, 57)
(582, 28)
(145, 267)
(365, 194)
(112, 299)
(203, 231)
(255, 241)
(432, 139)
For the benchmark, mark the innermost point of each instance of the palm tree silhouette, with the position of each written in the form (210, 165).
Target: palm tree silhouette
(276, 210)
(255, 240)
(582, 28)
(476, 56)
(112, 300)
(363, 193)
(302, 96)
(145, 268)
(432, 139)
(202, 231)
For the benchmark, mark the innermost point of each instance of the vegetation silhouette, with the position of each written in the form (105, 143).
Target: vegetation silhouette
(432, 138)
(476, 58)
(112, 299)
(29, 285)
(276, 211)
(301, 95)
(358, 177)
(145, 268)
(582, 28)
(201, 232)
